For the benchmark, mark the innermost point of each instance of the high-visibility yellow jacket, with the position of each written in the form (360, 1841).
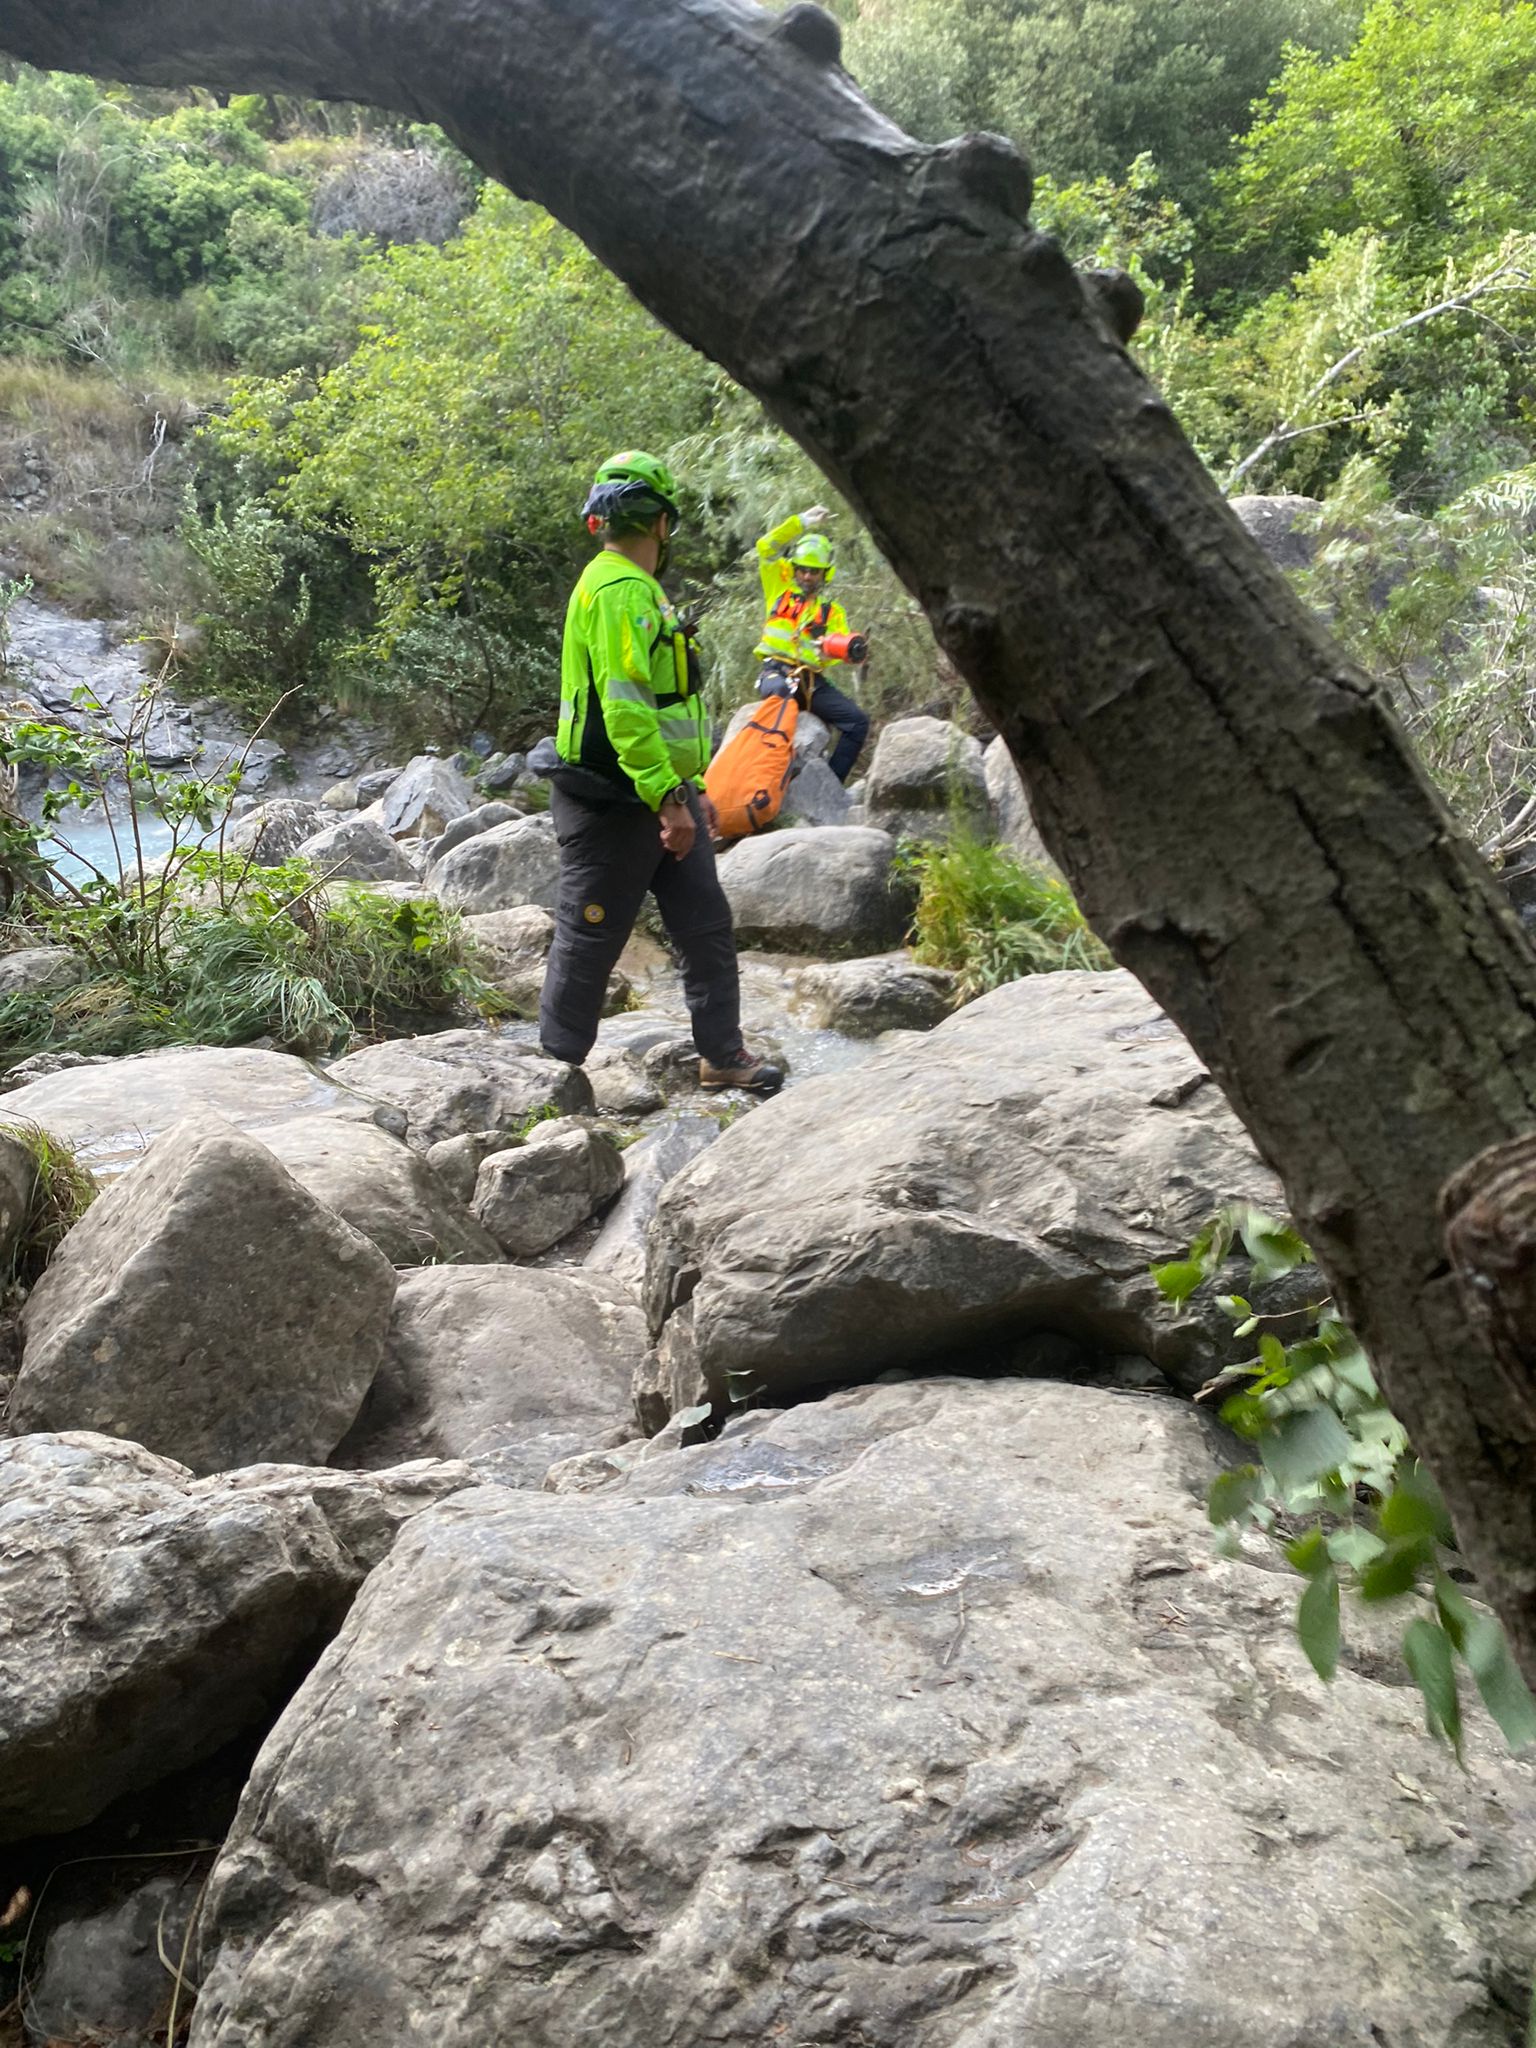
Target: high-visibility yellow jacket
(794, 626)
(627, 710)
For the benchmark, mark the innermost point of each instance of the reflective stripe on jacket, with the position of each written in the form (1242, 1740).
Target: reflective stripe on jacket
(625, 655)
(794, 626)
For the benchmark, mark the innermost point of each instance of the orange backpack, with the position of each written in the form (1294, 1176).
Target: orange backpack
(747, 779)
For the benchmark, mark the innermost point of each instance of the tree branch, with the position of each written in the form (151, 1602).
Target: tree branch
(1511, 276)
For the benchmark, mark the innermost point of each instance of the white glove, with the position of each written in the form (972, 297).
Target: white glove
(814, 515)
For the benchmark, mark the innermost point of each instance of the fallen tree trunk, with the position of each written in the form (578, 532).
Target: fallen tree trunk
(1231, 800)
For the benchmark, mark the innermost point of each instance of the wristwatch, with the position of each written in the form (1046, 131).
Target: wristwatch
(680, 795)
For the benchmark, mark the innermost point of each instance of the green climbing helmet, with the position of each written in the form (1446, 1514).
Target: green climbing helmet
(812, 551)
(633, 485)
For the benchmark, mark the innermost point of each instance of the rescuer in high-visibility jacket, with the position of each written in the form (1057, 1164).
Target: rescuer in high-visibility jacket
(629, 815)
(796, 566)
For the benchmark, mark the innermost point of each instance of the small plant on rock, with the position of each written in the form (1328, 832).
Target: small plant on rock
(62, 1191)
(988, 917)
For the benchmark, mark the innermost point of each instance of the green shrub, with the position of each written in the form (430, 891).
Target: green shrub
(195, 170)
(984, 914)
(201, 946)
(280, 957)
(260, 641)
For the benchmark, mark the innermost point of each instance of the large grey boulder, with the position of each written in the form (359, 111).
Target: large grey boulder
(38, 1065)
(1016, 1170)
(382, 1188)
(620, 1246)
(1283, 526)
(450, 1082)
(672, 1064)
(518, 862)
(513, 956)
(620, 1085)
(888, 992)
(100, 1977)
(815, 796)
(456, 1162)
(108, 1111)
(427, 795)
(530, 1197)
(274, 831)
(513, 949)
(924, 1717)
(376, 784)
(1010, 805)
(207, 1306)
(510, 1368)
(32, 969)
(521, 935)
(364, 1511)
(925, 775)
(809, 891)
(501, 771)
(469, 825)
(357, 850)
(147, 1617)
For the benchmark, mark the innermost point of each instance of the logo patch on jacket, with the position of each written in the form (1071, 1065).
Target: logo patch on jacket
(594, 913)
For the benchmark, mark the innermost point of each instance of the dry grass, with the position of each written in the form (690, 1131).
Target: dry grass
(104, 538)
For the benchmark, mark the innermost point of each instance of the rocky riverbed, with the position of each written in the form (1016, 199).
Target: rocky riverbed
(491, 1551)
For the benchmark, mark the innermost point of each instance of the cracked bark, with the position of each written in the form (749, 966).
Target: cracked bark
(1232, 802)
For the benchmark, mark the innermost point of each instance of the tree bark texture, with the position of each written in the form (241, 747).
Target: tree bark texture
(1490, 1232)
(1231, 800)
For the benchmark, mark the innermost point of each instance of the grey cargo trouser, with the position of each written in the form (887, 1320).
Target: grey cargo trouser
(610, 854)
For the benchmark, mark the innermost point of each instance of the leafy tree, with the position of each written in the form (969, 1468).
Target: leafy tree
(197, 170)
(1089, 85)
(293, 300)
(1424, 131)
(452, 450)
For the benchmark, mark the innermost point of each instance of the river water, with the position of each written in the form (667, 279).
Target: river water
(72, 672)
